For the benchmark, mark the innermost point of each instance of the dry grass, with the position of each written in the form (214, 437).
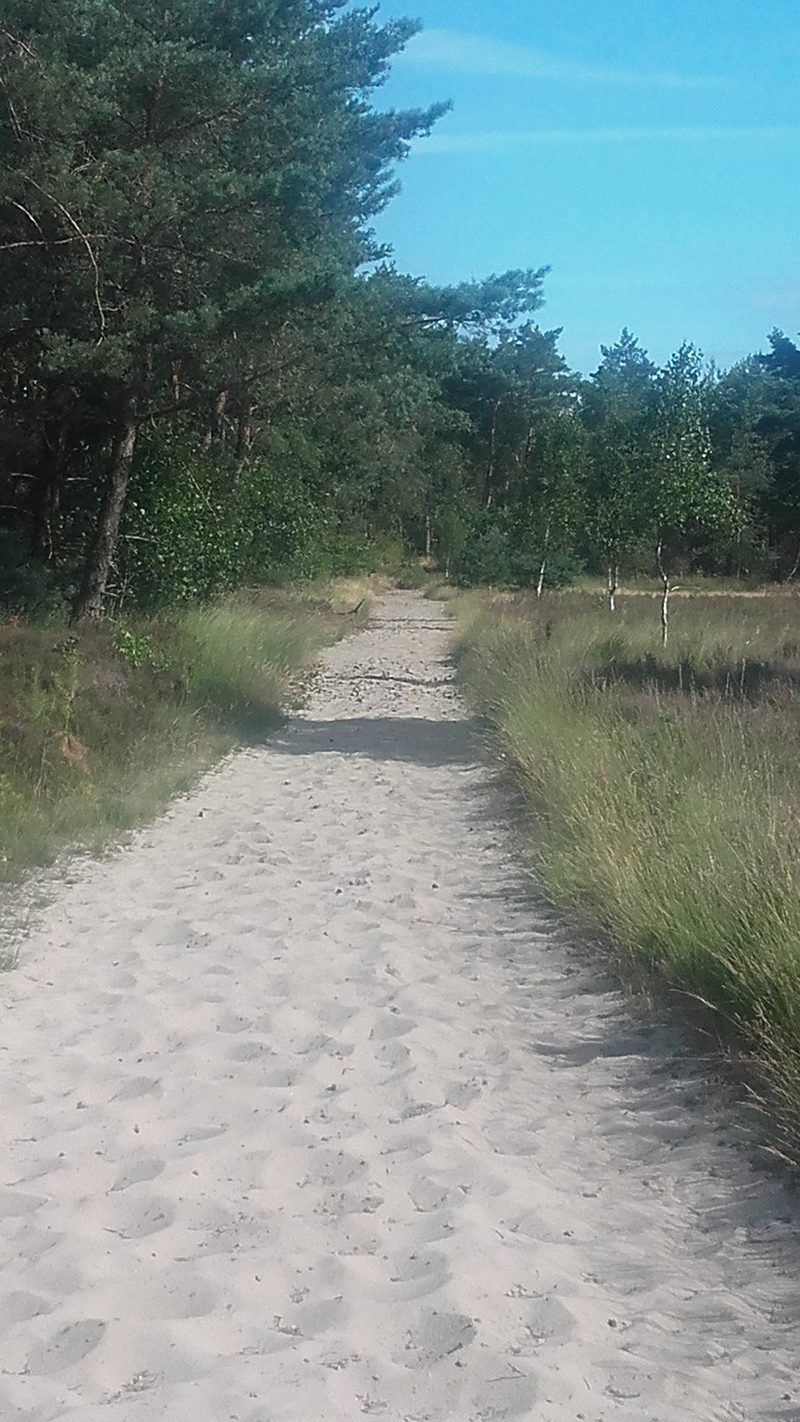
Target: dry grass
(665, 787)
(98, 730)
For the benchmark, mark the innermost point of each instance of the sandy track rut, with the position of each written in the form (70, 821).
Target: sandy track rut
(310, 1114)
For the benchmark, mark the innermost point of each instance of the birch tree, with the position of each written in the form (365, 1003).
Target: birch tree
(616, 404)
(683, 491)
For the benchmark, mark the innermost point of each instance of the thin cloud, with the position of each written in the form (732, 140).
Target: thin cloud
(471, 54)
(441, 143)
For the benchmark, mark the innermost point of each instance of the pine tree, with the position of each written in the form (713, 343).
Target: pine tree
(174, 182)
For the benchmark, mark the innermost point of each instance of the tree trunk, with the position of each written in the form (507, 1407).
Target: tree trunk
(526, 458)
(215, 434)
(665, 613)
(244, 438)
(46, 500)
(427, 535)
(47, 493)
(89, 602)
(488, 483)
(795, 566)
(667, 589)
(613, 584)
(540, 584)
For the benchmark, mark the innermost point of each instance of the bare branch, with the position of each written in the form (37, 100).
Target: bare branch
(89, 249)
(15, 123)
(199, 121)
(15, 246)
(14, 39)
(44, 242)
(29, 215)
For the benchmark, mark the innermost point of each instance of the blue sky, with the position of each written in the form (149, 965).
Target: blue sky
(648, 151)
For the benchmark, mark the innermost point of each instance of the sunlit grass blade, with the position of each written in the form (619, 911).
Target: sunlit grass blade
(665, 791)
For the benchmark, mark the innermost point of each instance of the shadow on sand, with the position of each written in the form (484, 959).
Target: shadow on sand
(405, 738)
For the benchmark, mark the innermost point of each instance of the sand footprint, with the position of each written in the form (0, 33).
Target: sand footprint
(427, 1197)
(337, 1167)
(395, 1055)
(391, 1025)
(249, 1051)
(233, 1022)
(14, 1203)
(505, 1397)
(546, 1321)
(136, 1087)
(409, 1147)
(314, 1318)
(417, 1275)
(436, 1336)
(136, 1172)
(148, 1218)
(68, 1346)
(190, 1297)
(19, 1306)
(339, 1203)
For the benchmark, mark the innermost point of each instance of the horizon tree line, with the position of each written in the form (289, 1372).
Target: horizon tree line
(211, 373)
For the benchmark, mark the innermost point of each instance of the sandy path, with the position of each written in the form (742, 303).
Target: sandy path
(310, 1115)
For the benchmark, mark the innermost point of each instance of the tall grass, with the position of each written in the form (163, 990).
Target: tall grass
(99, 729)
(665, 786)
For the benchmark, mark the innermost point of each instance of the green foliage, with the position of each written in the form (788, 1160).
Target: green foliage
(504, 548)
(25, 589)
(138, 649)
(197, 527)
(188, 526)
(617, 405)
(452, 522)
(682, 489)
(189, 181)
(211, 375)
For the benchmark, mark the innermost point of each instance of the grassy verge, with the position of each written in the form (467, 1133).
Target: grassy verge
(99, 729)
(665, 786)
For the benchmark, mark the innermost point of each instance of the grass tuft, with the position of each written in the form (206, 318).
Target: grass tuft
(99, 729)
(665, 786)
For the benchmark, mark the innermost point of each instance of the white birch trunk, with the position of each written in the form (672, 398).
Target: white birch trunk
(540, 584)
(613, 584)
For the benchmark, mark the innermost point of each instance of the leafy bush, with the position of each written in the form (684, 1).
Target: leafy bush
(188, 525)
(501, 549)
(196, 528)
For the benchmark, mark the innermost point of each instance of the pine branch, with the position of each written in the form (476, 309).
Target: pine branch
(87, 244)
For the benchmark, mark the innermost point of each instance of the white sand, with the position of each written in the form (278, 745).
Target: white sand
(310, 1114)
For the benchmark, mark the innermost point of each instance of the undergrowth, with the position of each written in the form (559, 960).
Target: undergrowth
(99, 728)
(665, 787)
